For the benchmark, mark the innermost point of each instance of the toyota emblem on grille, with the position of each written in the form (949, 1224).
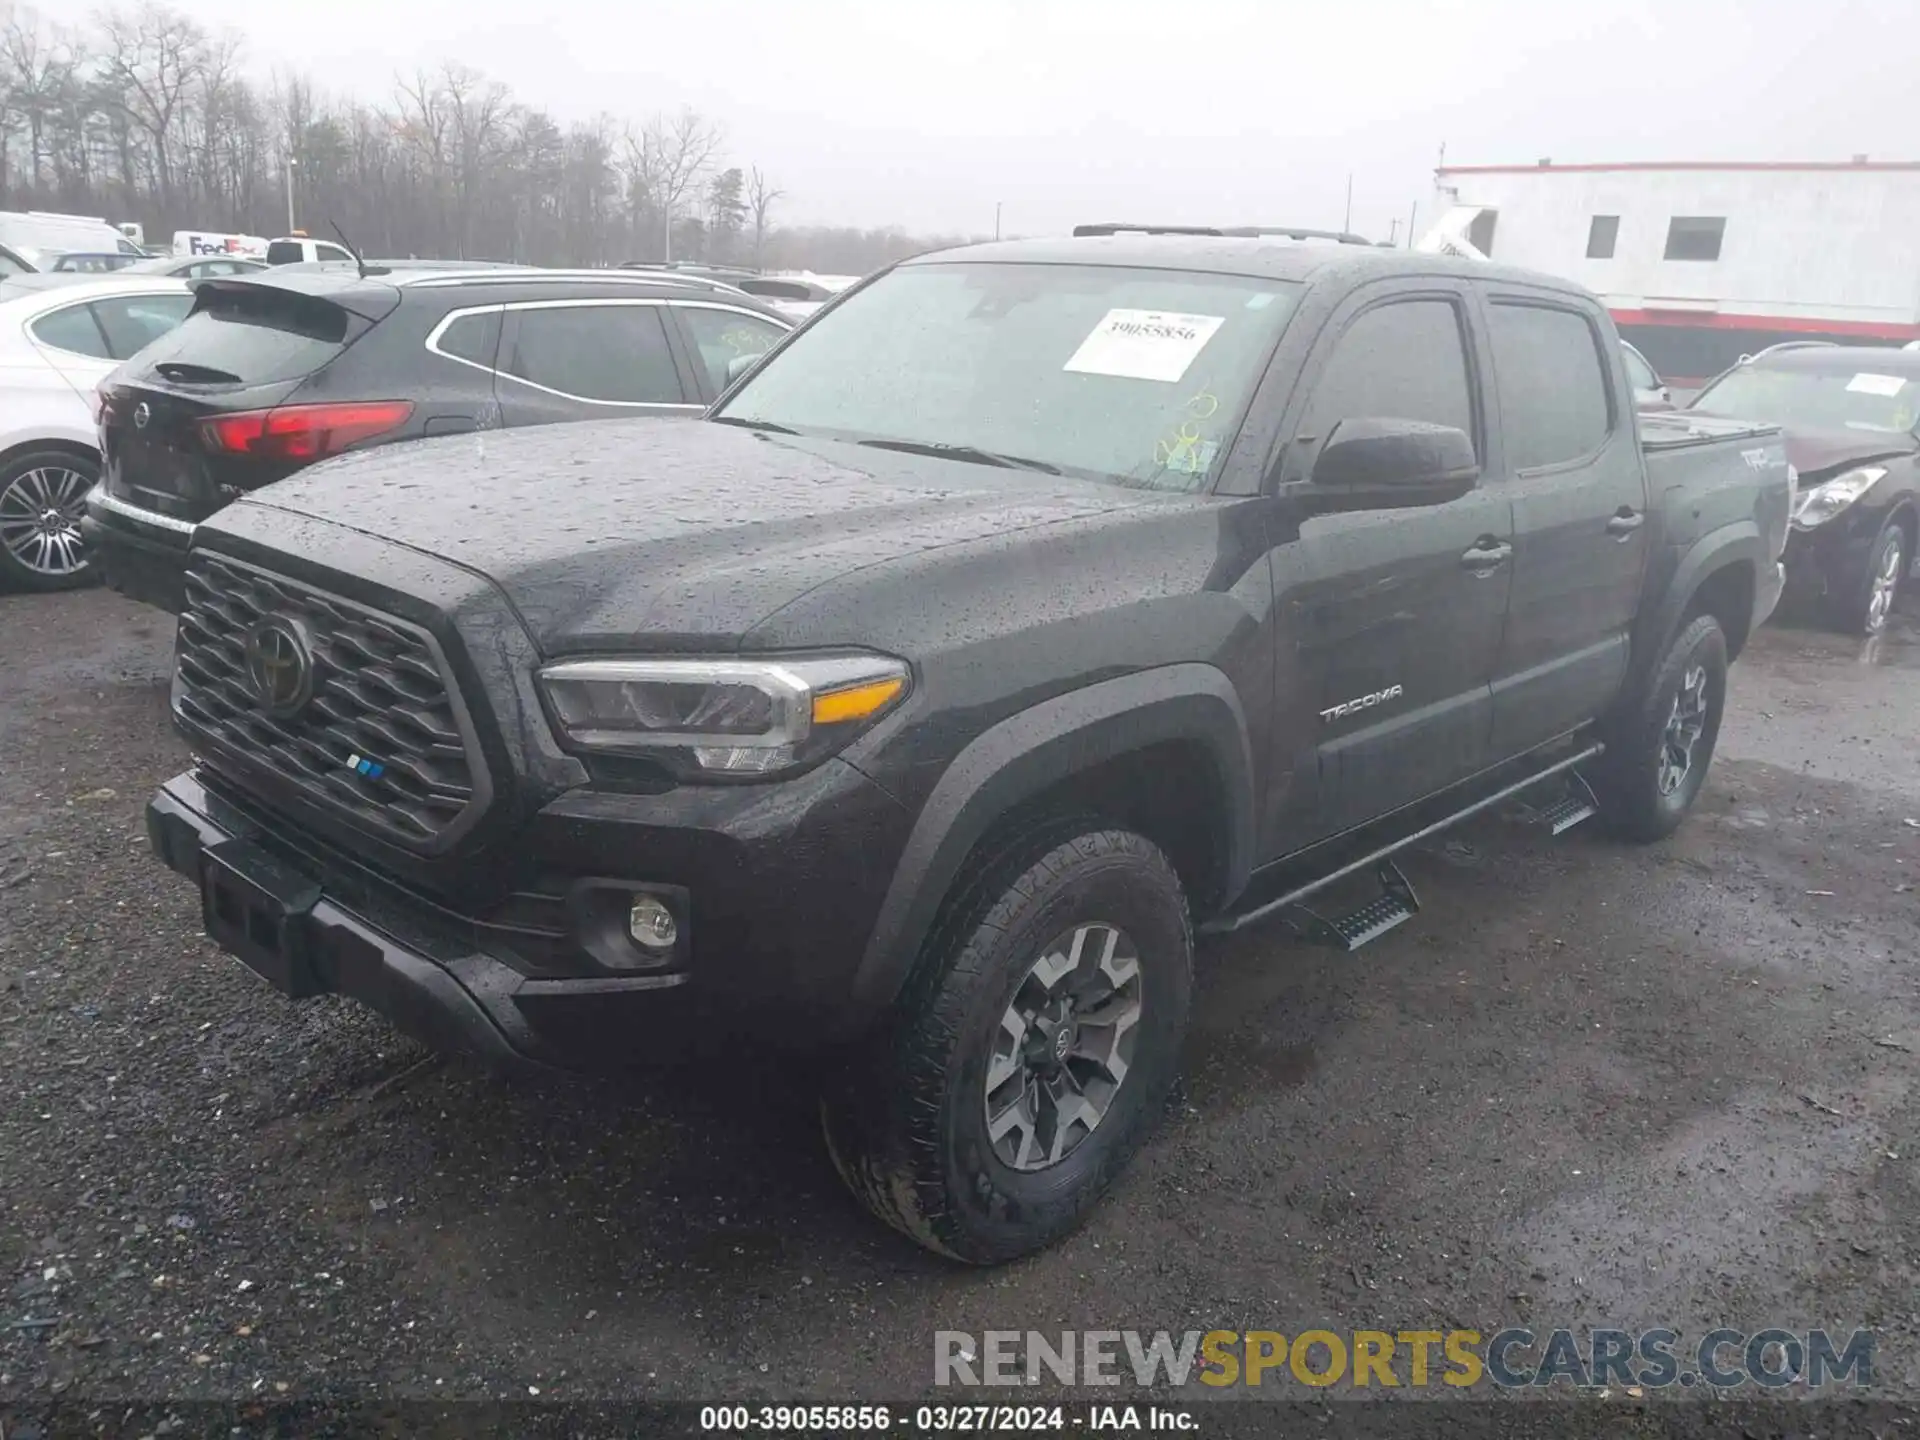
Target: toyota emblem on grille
(280, 665)
(141, 414)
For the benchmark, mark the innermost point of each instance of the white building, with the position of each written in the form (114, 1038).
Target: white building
(1701, 263)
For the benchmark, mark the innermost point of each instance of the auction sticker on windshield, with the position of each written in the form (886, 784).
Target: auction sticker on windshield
(1144, 344)
(1869, 384)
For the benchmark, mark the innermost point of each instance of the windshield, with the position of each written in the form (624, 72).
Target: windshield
(1815, 399)
(1133, 376)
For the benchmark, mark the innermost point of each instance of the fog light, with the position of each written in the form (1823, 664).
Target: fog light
(652, 924)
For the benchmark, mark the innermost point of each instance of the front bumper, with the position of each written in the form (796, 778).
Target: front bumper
(771, 947)
(140, 554)
(1772, 584)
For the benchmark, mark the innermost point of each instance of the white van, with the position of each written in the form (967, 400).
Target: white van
(40, 237)
(296, 249)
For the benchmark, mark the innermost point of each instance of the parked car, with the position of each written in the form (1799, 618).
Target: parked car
(292, 249)
(1650, 392)
(794, 297)
(1851, 415)
(56, 343)
(196, 267)
(277, 369)
(39, 237)
(93, 262)
(12, 263)
(1030, 607)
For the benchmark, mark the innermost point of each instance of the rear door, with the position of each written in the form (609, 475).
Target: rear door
(86, 340)
(1570, 463)
(1392, 617)
(562, 360)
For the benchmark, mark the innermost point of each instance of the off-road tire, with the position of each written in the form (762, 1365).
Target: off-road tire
(904, 1115)
(1627, 780)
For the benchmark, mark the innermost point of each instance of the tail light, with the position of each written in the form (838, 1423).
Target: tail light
(302, 432)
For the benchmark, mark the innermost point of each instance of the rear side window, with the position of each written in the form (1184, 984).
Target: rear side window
(285, 252)
(1405, 360)
(133, 322)
(610, 353)
(1553, 386)
(73, 330)
(257, 334)
(473, 338)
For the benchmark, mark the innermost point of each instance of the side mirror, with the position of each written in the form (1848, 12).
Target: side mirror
(741, 364)
(1383, 464)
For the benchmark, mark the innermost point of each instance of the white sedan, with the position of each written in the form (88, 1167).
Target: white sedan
(56, 345)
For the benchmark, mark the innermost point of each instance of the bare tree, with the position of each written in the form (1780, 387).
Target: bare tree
(154, 57)
(675, 153)
(761, 195)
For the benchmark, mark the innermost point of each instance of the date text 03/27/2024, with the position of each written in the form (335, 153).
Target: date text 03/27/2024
(944, 1419)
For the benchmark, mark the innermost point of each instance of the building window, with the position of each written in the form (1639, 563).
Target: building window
(1695, 237)
(1480, 232)
(1601, 235)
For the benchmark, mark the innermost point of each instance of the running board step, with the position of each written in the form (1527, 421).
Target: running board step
(1395, 905)
(1559, 816)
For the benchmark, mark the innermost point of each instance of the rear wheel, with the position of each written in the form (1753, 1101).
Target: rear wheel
(1657, 759)
(1030, 1054)
(42, 497)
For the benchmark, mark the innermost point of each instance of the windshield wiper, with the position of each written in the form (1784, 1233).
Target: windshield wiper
(187, 373)
(972, 454)
(746, 424)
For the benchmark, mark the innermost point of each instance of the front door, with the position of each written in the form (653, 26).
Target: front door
(1570, 462)
(1390, 620)
(587, 360)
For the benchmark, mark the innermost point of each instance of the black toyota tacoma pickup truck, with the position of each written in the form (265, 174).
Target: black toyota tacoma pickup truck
(1035, 607)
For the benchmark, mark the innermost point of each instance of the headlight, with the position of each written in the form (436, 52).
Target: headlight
(723, 717)
(1821, 503)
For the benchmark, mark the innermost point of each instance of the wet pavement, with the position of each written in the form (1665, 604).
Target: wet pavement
(1587, 1085)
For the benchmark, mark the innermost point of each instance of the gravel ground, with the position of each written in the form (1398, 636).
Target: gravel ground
(1587, 1085)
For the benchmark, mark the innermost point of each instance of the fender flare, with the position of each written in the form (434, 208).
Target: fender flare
(1025, 753)
(1737, 542)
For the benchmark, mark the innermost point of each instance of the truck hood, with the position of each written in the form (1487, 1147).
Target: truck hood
(687, 532)
(1817, 454)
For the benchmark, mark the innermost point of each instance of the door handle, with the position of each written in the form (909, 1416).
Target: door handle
(1486, 554)
(1625, 522)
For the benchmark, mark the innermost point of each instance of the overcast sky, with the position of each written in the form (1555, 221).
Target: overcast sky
(924, 113)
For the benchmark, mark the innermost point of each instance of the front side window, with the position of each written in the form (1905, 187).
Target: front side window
(613, 354)
(72, 330)
(1405, 360)
(1134, 376)
(1639, 373)
(723, 336)
(1553, 387)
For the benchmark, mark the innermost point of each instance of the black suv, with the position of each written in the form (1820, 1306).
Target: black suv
(1032, 607)
(276, 369)
(1852, 421)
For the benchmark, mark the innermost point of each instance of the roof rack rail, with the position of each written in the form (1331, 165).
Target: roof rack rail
(1234, 232)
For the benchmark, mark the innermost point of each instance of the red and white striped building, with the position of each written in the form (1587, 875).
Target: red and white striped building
(1701, 263)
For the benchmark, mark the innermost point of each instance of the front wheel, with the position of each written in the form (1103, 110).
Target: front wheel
(1030, 1053)
(1867, 606)
(1657, 761)
(42, 497)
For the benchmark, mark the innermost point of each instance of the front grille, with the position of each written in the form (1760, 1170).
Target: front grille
(379, 739)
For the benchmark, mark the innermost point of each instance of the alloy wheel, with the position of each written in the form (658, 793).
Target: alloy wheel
(1064, 1046)
(1885, 584)
(40, 514)
(1686, 723)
